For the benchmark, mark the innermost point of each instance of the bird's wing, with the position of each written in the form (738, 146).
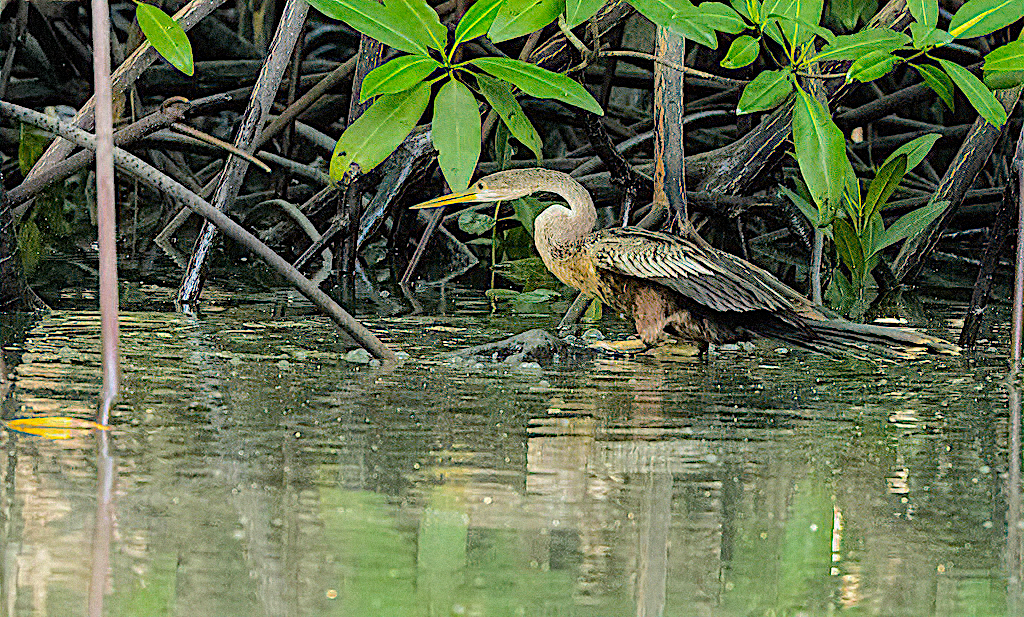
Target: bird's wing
(707, 276)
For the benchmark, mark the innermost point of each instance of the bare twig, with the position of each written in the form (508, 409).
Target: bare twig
(152, 177)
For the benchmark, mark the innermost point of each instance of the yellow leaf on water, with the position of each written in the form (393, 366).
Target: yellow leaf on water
(56, 427)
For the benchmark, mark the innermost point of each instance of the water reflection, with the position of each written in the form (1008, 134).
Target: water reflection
(260, 475)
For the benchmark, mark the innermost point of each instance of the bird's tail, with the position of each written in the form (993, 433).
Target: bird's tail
(839, 337)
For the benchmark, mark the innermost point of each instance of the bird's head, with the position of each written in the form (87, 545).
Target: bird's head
(500, 186)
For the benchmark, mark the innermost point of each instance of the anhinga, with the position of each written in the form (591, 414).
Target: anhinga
(675, 285)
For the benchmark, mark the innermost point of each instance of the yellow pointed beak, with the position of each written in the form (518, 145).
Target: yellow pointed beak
(449, 199)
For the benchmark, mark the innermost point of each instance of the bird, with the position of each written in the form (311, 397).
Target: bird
(676, 286)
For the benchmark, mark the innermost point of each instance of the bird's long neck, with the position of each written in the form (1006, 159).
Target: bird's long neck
(558, 230)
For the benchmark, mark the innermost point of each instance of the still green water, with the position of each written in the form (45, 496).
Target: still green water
(258, 474)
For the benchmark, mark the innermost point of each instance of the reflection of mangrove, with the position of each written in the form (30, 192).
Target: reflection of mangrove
(631, 487)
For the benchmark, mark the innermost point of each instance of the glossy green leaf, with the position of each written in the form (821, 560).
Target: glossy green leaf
(915, 150)
(689, 24)
(421, 22)
(885, 182)
(721, 17)
(32, 142)
(808, 209)
(30, 245)
(579, 11)
(375, 134)
(799, 19)
(925, 12)
(166, 36)
(499, 96)
(910, 224)
(1009, 57)
(476, 22)
(537, 296)
(539, 82)
(977, 93)
(743, 8)
(981, 17)
(871, 66)
(938, 81)
(854, 46)
(742, 52)
(475, 223)
(528, 209)
(397, 75)
(927, 36)
(456, 133)
(661, 11)
(850, 250)
(1000, 80)
(375, 21)
(519, 17)
(765, 91)
(820, 151)
(850, 12)
(593, 313)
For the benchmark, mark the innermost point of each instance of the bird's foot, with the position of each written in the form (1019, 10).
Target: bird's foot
(675, 350)
(627, 347)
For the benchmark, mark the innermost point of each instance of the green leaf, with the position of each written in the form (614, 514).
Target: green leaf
(840, 293)
(661, 11)
(882, 186)
(456, 133)
(820, 151)
(166, 36)
(938, 81)
(807, 208)
(850, 250)
(765, 91)
(499, 96)
(32, 142)
(476, 22)
(537, 296)
(1000, 80)
(721, 17)
(928, 36)
(742, 52)
(375, 134)
(397, 75)
(501, 294)
(977, 93)
(801, 18)
(1009, 57)
(420, 21)
(689, 24)
(853, 46)
(925, 12)
(375, 21)
(849, 12)
(539, 82)
(518, 17)
(910, 224)
(915, 150)
(981, 17)
(527, 209)
(579, 11)
(593, 313)
(475, 223)
(743, 8)
(30, 245)
(871, 66)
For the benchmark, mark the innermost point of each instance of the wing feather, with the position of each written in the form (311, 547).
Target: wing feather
(707, 276)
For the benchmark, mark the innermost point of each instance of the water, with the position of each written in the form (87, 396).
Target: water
(257, 474)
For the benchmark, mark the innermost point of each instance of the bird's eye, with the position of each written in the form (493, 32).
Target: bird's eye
(480, 186)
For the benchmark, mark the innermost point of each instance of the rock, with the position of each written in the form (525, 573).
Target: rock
(357, 356)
